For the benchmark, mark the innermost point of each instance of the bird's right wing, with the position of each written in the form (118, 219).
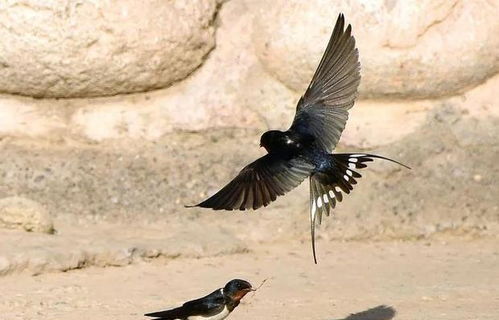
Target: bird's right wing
(323, 110)
(260, 183)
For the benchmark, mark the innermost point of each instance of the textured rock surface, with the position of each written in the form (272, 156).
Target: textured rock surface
(452, 155)
(233, 89)
(140, 157)
(24, 214)
(408, 49)
(69, 48)
(103, 245)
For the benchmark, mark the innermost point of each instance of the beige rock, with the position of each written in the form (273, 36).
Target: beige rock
(81, 245)
(4, 266)
(68, 48)
(28, 117)
(231, 90)
(409, 49)
(25, 214)
(375, 123)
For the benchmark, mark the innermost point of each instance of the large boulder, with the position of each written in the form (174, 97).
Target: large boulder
(98, 48)
(408, 49)
(24, 214)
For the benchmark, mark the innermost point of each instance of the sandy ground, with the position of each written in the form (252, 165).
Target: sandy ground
(451, 279)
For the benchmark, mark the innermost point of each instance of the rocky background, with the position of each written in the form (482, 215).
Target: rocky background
(119, 115)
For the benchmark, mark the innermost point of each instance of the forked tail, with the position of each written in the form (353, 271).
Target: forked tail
(177, 313)
(327, 188)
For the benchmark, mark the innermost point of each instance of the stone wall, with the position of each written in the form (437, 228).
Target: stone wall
(132, 110)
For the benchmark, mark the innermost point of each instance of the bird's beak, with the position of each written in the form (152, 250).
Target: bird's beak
(247, 290)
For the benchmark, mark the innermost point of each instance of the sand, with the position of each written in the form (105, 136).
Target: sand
(437, 279)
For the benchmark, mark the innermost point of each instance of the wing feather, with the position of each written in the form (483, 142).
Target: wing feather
(260, 183)
(209, 305)
(323, 109)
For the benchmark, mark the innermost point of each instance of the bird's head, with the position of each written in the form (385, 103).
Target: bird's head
(237, 289)
(270, 138)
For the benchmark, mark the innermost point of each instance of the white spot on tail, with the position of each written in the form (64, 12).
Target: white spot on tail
(349, 173)
(336, 189)
(353, 160)
(313, 210)
(352, 165)
(357, 155)
(326, 199)
(331, 194)
(319, 202)
(345, 177)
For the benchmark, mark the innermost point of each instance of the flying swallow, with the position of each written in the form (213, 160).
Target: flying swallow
(215, 306)
(305, 149)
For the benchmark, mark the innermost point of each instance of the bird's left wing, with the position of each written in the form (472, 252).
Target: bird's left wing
(209, 305)
(260, 183)
(323, 110)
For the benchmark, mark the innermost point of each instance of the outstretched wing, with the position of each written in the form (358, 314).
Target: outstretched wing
(260, 183)
(323, 110)
(327, 188)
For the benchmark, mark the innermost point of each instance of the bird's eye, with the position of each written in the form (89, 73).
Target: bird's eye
(242, 286)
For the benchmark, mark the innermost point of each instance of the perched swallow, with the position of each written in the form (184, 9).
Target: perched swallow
(215, 306)
(305, 149)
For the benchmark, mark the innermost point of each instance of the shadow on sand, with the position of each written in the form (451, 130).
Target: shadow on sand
(377, 313)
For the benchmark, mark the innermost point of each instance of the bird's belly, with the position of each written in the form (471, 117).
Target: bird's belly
(222, 315)
(322, 162)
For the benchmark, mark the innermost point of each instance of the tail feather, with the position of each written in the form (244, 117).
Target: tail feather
(177, 313)
(326, 188)
(349, 159)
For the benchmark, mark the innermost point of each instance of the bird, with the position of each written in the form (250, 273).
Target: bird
(305, 150)
(215, 306)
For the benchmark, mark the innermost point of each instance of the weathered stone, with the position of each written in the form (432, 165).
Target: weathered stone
(409, 49)
(98, 48)
(24, 214)
(83, 245)
(147, 154)
(4, 266)
(230, 90)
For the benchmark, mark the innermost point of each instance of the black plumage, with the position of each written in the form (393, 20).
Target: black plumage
(217, 305)
(304, 150)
